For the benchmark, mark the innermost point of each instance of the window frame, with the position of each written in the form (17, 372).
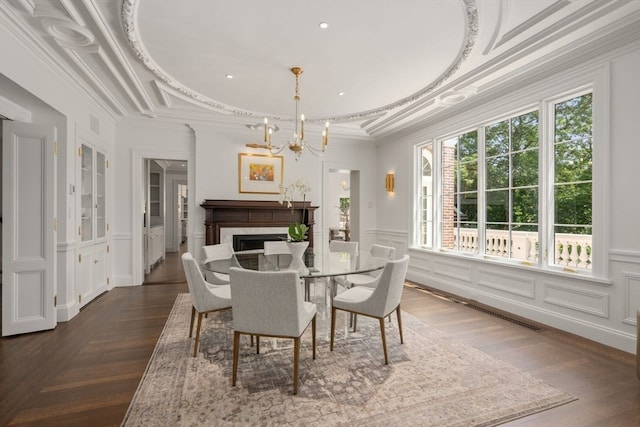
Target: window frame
(541, 96)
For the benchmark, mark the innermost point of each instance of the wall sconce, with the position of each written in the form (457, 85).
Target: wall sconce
(390, 182)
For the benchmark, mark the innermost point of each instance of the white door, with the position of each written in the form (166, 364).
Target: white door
(29, 236)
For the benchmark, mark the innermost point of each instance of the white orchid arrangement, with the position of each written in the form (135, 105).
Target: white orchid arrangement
(297, 230)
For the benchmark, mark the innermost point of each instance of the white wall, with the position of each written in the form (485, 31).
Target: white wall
(140, 139)
(599, 309)
(60, 102)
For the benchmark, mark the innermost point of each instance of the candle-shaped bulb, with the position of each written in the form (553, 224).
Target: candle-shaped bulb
(270, 132)
(326, 133)
(302, 126)
(265, 129)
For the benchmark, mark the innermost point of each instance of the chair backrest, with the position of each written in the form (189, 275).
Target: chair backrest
(276, 248)
(388, 292)
(380, 251)
(267, 302)
(342, 246)
(219, 251)
(202, 297)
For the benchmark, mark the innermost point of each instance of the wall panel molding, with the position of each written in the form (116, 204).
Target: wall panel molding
(513, 284)
(595, 303)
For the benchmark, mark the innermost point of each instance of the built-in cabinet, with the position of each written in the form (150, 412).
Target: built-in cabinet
(155, 213)
(91, 270)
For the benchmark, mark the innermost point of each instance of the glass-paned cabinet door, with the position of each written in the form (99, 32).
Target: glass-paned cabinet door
(100, 202)
(86, 194)
(154, 194)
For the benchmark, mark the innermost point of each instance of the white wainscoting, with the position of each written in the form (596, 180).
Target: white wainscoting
(598, 309)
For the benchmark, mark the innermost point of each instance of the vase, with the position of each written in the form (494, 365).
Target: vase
(297, 264)
(297, 249)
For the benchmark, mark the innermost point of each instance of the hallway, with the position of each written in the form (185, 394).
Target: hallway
(168, 271)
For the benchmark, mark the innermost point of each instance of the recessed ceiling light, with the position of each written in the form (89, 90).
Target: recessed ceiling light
(340, 93)
(229, 76)
(323, 25)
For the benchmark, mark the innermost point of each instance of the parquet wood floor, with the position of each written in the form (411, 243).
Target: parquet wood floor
(85, 372)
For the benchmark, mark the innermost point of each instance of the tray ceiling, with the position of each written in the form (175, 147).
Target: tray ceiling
(379, 65)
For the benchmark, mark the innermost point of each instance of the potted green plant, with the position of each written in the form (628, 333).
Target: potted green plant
(298, 232)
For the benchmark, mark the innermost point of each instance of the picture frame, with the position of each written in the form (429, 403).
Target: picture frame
(259, 173)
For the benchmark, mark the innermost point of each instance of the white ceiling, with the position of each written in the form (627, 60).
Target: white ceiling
(395, 61)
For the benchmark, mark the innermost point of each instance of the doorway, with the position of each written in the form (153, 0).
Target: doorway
(166, 217)
(342, 197)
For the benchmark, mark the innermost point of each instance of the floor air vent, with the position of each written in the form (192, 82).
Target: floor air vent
(504, 317)
(477, 307)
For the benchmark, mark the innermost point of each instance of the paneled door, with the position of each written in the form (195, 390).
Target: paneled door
(29, 223)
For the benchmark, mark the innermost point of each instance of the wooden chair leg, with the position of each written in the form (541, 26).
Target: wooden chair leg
(195, 348)
(296, 356)
(384, 341)
(193, 316)
(236, 345)
(333, 326)
(400, 324)
(313, 336)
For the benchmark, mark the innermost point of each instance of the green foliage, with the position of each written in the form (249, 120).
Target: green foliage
(298, 232)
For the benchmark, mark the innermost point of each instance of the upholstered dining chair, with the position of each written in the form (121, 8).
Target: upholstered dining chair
(276, 248)
(341, 246)
(215, 252)
(377, 302)
(205, 299)
(369, 279)
(270, 304)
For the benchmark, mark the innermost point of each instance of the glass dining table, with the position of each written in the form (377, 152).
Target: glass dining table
(314, 265)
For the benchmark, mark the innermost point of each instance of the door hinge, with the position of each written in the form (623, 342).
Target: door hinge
(55, 300)
(80, 299)
(107, 248)
(80, 151)
(107, 164)
(55, 148)
(55, 224)
(79, 231)
(79, 257)
(107, 227)
(107, 281)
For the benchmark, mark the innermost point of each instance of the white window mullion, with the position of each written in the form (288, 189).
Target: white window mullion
(546, 216)
(482, 189)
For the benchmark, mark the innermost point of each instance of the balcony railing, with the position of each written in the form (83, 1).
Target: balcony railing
(571, 250)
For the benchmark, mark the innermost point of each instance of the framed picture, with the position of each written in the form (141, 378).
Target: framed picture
(259, 173)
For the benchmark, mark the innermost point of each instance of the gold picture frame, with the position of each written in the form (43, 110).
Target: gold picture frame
(259, 173)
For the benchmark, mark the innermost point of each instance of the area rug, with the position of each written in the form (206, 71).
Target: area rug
(431, 380)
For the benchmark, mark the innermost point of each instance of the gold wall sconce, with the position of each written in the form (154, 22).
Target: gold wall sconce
(390, 182)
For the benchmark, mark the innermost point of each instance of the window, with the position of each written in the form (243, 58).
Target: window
(511, 190)
(573, 183)
(507, 191)
(459, 220)
(426, 197)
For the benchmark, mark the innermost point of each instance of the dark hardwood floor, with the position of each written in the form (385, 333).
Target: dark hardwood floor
(85, 372)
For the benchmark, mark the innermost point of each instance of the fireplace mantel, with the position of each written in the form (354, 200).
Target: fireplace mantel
(252, 213)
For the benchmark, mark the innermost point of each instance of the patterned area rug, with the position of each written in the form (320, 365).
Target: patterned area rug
(431, 380)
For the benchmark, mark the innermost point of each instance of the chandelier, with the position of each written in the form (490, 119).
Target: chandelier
(298, 143)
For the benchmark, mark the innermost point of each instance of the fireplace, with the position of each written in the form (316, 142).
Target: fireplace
(227, 221)
(247, 242)
(254, 217)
